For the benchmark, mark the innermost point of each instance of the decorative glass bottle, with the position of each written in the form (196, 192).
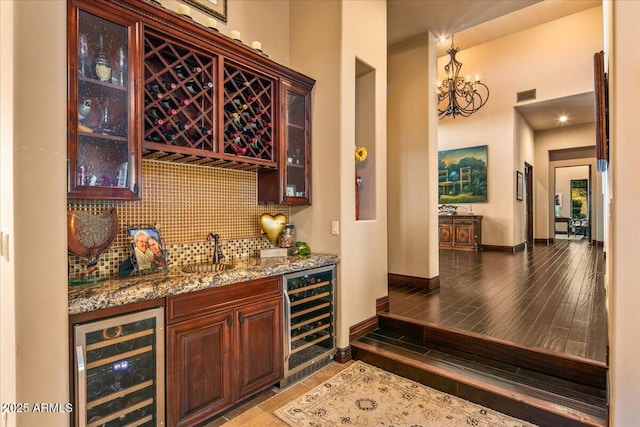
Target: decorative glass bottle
(101, 65)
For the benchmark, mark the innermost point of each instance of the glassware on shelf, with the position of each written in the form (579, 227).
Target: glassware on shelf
(106, 116)
(121, 62)
(83, 55)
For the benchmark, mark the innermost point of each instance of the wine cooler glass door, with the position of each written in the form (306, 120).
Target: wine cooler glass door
(309, 302)
(120, 370)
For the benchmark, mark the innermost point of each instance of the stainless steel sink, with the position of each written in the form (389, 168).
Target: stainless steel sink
(207, 268)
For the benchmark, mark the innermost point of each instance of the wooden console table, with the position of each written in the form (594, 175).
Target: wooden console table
(460, 232)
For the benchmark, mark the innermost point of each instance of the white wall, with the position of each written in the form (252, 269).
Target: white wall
(536, 58)
(40, 138)
(363, 248)
(624, 69)
(7, 282)
(412, 159)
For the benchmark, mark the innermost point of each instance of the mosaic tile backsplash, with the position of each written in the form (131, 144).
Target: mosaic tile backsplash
(186, 203)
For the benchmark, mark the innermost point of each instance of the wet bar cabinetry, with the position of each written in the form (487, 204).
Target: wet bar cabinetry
(460, 232)
(180, 92)
(223, 345)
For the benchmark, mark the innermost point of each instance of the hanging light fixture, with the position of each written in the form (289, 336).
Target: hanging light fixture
(457, 95)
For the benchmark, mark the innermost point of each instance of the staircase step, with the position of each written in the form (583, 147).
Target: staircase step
(542, 399)
(576, 369)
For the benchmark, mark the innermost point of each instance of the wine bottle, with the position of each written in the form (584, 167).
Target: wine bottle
(101, 66)
(156, 116)
(240, 105)
(195, 88)
(169, 85)
(184, 73)
(198, 132)
(154, 91)
(169, 107)
(154, 137)
(236, 149)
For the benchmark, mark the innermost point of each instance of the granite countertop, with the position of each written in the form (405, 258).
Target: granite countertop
(116, 292)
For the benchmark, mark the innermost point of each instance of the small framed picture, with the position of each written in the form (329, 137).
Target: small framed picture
(148, 253)
(215, 8)
(291, 190)
(519, 185)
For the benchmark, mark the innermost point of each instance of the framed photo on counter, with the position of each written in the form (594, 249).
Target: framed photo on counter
(148, 252)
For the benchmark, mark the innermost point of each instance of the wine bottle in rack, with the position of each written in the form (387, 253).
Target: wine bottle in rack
(153, 137)
(256, 145)
(154, 91)
(231, 112)
(156, 116)
(194, 88)
(197, 133)
(184, 72)
(169, 107)
(169, 85)
(240, 105)
(237, 149)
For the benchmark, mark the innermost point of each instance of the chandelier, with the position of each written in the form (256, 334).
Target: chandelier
(457, 95)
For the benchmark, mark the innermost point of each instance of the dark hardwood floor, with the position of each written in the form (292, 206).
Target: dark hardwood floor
(551, 297)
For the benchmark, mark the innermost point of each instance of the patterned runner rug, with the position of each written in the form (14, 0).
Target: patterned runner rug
(363, 395)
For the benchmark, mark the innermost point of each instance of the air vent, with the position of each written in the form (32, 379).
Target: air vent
(527, 95)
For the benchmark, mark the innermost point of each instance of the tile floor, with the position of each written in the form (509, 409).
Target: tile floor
(258, 412)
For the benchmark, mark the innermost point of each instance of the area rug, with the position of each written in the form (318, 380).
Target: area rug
(363, 395)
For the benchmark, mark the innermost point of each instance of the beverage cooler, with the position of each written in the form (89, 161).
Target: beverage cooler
(119, 379)
(309, 334)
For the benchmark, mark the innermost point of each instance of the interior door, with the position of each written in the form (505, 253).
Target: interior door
(528, 200)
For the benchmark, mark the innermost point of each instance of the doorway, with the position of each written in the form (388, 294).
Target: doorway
(572, 202)
(528, 200)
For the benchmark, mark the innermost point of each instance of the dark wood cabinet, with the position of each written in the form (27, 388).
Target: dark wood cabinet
(103, 116)
(223, 345)
(291, 184)
(461, 232)
(199, 364)
(260, 362)
(180, 92)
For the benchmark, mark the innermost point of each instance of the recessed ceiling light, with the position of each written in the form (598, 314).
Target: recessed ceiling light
(563, 118)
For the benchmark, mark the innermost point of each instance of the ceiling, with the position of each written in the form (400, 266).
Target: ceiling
(478, 21)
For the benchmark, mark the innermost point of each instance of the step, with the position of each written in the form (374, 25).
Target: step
(542, 399)
(576, 369)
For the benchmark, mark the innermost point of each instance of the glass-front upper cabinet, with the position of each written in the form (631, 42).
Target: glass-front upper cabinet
(291, 183)
(104, 136)
(297, 165)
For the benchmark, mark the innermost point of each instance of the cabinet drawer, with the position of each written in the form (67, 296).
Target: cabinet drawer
(188, 306)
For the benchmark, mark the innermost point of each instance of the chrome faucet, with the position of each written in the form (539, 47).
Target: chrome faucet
(217, 250)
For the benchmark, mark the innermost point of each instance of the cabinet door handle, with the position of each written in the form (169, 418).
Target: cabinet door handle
(241, 317)
(230, 321)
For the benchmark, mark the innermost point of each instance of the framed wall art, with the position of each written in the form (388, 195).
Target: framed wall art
(462, 175)
(215, 8)
(519, 185)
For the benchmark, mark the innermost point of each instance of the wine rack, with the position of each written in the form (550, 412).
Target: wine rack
(248, 119)
(309, 312)
(179, 95)
(120, 364)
